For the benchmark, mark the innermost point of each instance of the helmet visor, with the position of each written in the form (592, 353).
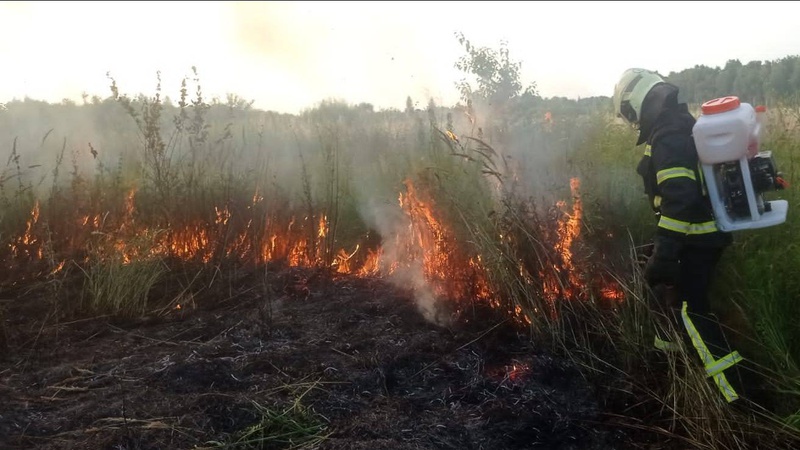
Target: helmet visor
(627, 112)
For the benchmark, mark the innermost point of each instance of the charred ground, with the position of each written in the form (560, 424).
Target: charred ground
(350, 359)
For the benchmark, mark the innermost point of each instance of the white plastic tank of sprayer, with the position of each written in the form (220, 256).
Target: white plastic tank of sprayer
(727, 130)
(728, 138)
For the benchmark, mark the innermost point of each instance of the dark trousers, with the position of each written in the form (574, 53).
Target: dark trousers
(698, 267)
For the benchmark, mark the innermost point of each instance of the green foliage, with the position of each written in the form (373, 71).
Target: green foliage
(115, 286)
(295, 427)
(497, 99)
(757, 82)
(496, 75)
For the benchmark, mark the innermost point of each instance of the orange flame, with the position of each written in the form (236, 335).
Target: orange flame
(448, 268)
(449, 272)
(371, 265)
(28, 244)
(518, 371)
(568, 232)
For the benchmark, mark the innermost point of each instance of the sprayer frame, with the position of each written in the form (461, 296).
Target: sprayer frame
(775, 216)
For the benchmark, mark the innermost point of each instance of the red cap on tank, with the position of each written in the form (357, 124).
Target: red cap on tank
(761, 108)
(720, 105)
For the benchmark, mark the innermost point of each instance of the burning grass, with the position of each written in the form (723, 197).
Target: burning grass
(445, 222)
(122, 252)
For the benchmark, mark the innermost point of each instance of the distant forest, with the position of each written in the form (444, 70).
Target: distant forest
(756, 82)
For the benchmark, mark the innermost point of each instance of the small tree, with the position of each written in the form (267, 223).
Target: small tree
(497, 90)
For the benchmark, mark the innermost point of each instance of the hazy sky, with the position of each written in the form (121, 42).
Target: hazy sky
(288, 56)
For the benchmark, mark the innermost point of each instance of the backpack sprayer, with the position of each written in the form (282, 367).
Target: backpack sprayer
(728, 138)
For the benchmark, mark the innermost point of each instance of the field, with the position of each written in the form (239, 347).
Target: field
(190, 274)
(340, 362)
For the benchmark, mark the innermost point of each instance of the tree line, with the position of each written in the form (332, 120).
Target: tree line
(757, 82)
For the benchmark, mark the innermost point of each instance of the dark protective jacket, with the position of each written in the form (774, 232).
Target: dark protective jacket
(674, 182)
(687, 243)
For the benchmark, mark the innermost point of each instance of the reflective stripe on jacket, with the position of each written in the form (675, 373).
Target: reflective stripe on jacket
(673, 181)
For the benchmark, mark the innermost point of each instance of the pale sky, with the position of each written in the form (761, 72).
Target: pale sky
(288, 56)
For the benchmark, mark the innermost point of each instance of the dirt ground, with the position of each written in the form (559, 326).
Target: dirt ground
(352, 355)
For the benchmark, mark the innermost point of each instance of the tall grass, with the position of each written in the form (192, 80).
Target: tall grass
(218, 183)
(619, 340)
(753, 294)
(118, 286)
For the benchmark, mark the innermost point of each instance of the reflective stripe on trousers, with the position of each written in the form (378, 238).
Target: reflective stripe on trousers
(667, 346)
(714, 368)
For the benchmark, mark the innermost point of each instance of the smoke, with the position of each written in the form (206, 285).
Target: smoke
(408, 272)
(354, 56)
(41, 143)
(275, 34)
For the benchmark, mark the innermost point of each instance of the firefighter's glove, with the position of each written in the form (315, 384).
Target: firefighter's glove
(663, 267)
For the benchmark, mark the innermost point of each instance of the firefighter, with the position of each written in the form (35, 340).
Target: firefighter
(687, 245)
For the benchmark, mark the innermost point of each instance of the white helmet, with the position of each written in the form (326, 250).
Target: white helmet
(630, 91)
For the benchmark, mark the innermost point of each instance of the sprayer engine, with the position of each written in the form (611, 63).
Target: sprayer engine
(764, 177)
